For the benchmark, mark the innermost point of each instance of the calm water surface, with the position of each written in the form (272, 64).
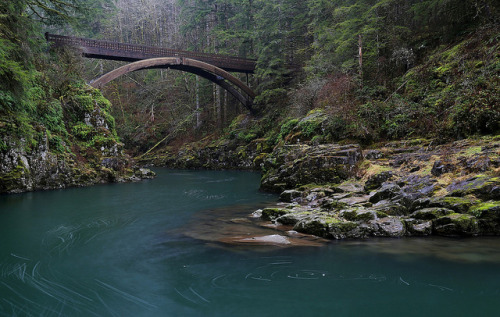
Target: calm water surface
(154, 249)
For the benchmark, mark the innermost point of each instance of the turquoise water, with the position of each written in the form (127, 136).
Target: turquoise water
(163, 247)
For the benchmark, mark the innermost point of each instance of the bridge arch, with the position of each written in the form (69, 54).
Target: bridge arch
(205, 70)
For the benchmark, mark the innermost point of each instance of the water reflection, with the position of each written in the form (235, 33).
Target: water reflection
(465, 250)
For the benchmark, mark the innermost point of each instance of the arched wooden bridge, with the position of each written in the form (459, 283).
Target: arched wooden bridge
(213, 67)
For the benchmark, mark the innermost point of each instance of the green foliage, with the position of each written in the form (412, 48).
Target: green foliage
(271, 96)
(56, 144)
(85, 102)
(246, 136)
(82, 131)
(3, 146)
(52, 116)
(287, 128)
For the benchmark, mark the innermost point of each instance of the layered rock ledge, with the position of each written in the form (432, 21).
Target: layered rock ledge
(408, 188)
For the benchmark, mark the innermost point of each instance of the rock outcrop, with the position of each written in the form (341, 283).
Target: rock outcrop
(86, 151)
(291, 166)
(395, 193)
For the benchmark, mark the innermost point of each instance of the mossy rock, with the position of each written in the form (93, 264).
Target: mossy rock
(314, 225)
(14, 179)
(489, 209)
(390, 227)
(377, 180)
(332, 204)
(431, 213)
(273, 213)
(390, 208)
(488, 214)
(343, 230)
(456, 225)
(381, 214)
(458, 204)
(358, 215)
(387, 191)
(289, 195)
(416, 227)
(292, 218)
(482, 186)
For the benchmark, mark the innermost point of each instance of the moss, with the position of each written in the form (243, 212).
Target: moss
(82, 131)
(343, 227)
(56, 144)
(273, 213)
(332, 220)
(287, 128)
(85, 102)
(486, 209)
(349, 215)
(356, 215)
(381, 214)
(431, 213)
(458, 204)
(12, 180)
(470, 151)
(3, 146)
(456, 224)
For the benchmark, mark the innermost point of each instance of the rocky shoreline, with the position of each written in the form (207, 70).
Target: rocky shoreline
(406, 188)
(416, 187)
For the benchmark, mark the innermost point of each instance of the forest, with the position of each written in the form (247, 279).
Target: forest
(370, 70)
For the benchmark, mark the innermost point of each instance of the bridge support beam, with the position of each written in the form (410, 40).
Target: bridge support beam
(210, 72)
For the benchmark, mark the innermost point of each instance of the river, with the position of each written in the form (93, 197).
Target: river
(174, 246)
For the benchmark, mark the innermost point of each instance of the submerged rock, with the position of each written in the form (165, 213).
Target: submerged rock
(270, 239)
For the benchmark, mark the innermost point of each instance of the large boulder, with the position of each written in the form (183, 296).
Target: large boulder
(431, 213)
(290, 166)
(488, 214)
(456, 225)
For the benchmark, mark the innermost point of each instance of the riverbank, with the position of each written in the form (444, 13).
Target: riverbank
(73, 144)
(402, 188)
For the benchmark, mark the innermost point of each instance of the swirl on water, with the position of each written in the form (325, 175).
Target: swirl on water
(202, 195)
(35, 288)
(223, 180)
(63, 238)
(288, 275)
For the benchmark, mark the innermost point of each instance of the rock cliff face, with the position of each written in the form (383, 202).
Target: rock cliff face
(39, 169)
(86, 150)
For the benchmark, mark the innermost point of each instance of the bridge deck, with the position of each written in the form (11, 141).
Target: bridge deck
(132, 52)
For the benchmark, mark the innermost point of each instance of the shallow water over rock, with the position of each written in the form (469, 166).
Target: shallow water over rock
(185, 244)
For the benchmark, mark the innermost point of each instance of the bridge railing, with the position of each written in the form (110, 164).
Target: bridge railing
(223, 61)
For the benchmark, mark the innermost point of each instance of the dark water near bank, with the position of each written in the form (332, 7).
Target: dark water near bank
(164, 248)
